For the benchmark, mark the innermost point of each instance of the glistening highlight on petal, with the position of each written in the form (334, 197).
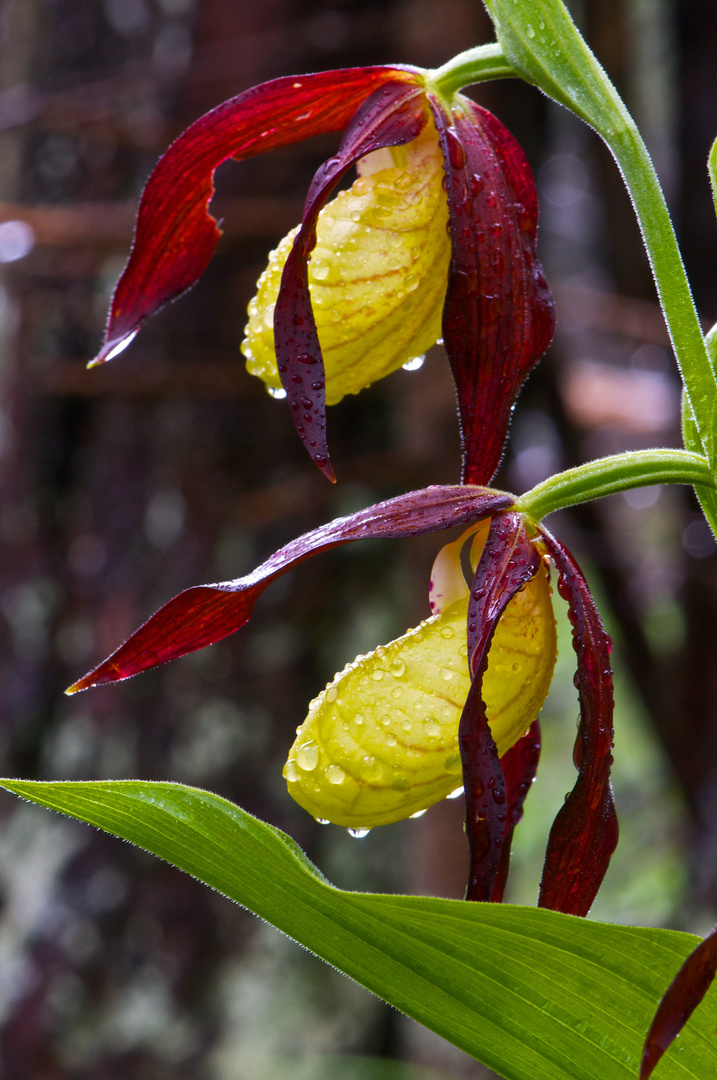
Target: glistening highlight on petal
(498, 318)
(207, 613)
(175, 235)
(585, 832)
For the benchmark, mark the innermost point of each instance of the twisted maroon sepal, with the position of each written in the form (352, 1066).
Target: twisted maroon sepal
(498, 317)
(394, 114)
(175, 235)
(584, 833)
(207, 613)
(508, 561)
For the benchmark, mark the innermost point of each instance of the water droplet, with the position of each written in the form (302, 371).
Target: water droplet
(432, 729)
(529, 31)
(358, 718)
(277, 392)
(391, 740)
(319, 270)
(397, 668)
(291, 773)
(377, 675)
(447, 674)
(307, 756)
(323, 821)
(447, 632)
(414, 364)
(331, 693)
(358, 834)
(371, 769)
(419, 813)
(406, 725)
(456, 794)
(268, 317)
(516, 668)
(335, 774)
(452, 764)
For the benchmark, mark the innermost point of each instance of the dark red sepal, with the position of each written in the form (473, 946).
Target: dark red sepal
(207, 613)
(585, 832)
(394, 114)
(520, 765)
(507, 562)
(175, 235)
(680, 1000)
(498, 317)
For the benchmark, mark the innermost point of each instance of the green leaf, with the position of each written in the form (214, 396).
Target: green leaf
(531, 993)
(712, 170)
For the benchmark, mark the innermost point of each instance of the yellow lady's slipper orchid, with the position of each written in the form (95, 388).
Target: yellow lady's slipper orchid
(380, 743)
(377, 275)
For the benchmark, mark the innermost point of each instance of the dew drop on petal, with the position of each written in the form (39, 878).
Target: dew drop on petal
(397, 668)
(335, 774)
(277, 392)
(456, 794)
(447, 632)
(358, 834)
(452, 764)
(415, 364)
(291, 773)
(307, 756)
(419, 813)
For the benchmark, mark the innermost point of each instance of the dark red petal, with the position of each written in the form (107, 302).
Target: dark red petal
(680, 1000)
(175, 236)
(519, 764)
(498, 318)
(508, 561)
(394, 114)
(584, 833)
(207, 613)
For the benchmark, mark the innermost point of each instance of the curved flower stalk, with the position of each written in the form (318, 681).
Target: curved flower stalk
(384, 262)
(492, 642)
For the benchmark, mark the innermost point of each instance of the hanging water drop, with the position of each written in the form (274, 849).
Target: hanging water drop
(277, 392)
(358, 834)
(414, 364)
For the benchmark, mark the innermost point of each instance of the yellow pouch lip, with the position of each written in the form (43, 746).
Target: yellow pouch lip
(365, 768)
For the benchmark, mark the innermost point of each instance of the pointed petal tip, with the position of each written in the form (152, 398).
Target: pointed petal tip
(113, 347)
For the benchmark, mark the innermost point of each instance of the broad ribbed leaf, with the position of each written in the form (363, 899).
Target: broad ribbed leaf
(534, 994)
(207, 613)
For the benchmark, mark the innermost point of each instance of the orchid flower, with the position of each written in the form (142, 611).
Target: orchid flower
(457, 697)
(374, 278)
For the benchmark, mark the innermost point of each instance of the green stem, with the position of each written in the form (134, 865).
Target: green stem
(673, 288)
(607, 476)
(475, 65)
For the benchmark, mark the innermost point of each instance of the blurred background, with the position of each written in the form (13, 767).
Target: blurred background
(170, 467)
